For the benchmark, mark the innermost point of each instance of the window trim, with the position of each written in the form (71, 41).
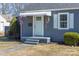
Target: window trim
(59, 20)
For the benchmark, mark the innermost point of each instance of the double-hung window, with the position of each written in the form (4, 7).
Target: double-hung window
(63, 20)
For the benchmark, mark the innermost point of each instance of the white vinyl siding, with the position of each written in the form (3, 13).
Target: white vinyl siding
(71, 23)
(55, 20)
(2, 26)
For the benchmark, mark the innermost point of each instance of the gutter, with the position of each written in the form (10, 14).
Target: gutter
(47, 10)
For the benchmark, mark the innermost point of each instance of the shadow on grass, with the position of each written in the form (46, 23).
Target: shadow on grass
(7, 39)
(62, 43)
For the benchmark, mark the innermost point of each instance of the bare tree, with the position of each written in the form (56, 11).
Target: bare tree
(10, 8)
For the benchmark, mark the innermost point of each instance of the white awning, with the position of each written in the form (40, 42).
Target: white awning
(35, 14)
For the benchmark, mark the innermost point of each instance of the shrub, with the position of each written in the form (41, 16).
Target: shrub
(14, 32)
(71, 38)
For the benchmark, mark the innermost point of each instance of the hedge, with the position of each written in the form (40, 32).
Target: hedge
(71, 38)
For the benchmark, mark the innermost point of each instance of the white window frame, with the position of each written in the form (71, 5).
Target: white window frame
(59, 20)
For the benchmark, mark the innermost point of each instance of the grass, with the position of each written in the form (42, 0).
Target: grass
(53, 49)
(47, 50)
(7, 44)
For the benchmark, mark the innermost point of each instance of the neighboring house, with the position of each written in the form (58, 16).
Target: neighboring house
(49, 22)
(4, 24)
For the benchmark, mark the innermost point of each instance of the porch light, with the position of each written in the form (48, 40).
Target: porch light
(47, 19)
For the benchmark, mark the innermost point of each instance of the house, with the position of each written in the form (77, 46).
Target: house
(47, 22)
(4, 24)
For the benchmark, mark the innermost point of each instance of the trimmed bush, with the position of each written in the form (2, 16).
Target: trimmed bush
(71, 38)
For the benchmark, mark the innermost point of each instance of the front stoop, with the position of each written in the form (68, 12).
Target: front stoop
(35, 40)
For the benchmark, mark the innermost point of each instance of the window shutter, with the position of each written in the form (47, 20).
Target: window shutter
(55, 20)
(71, 20)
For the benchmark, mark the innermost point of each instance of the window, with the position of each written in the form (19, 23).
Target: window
(38, 18)
(30, 24)
(63, 20)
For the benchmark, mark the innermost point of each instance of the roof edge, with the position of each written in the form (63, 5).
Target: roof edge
(52, 10)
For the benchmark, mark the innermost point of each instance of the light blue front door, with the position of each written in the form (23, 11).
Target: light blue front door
(38, 28)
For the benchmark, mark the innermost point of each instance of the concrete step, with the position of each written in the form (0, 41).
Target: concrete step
(34, 40)
(37, 39)
(31, 41)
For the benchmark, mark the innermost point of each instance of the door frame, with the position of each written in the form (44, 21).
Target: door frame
(42, 17)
